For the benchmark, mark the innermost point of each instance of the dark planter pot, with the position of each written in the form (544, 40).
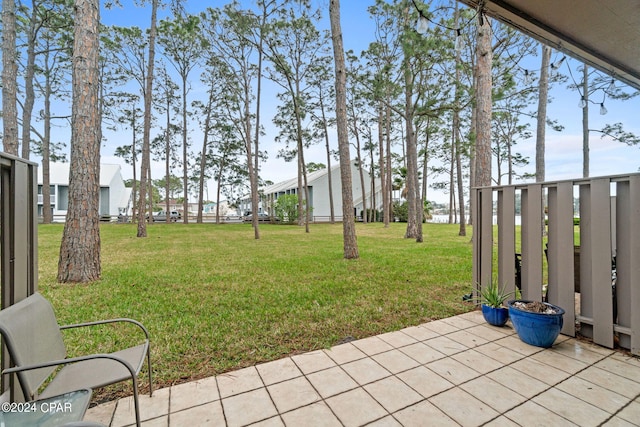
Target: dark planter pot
(495, 316)
(538, 329)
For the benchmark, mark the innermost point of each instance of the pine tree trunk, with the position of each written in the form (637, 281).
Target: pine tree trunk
(472, 150)
(29, 95)
(150, 192)
(483, 104)
(413, 199)
(47, 215)
(80, 248)
(543, 96)
(253, 174)
(253, 171)
(146, 139)
(348, 218)
(167, 158)
(386, 215)
(9, 76)
(307, 205)
(134, 184)
(388, 169)
(425, 165)
(456, 133)
(585, 122)
(363, 189)
(462, 231)
(452, 155)
(185, 155)
(203, 161)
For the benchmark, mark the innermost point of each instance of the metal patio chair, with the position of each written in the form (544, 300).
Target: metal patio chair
(34, 341)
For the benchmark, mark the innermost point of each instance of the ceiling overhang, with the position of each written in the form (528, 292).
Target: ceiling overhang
(603, 34)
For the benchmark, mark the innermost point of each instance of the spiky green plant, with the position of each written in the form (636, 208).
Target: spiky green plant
(494, 296)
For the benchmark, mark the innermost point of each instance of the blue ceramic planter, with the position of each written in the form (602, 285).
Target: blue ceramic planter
(538, 329)
(495, 316)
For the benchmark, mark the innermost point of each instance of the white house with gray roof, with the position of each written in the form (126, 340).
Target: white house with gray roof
(318, 182)
(115, 198)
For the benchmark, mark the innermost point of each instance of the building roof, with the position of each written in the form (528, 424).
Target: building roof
(293, 182)
(59, 173)
(603, 34)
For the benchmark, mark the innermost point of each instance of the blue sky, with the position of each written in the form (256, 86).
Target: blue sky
(564, 149)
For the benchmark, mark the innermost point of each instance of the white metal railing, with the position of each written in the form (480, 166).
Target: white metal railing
(592, 269)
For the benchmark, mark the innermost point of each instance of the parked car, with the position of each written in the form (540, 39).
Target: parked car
(161, 216)
(262, 217)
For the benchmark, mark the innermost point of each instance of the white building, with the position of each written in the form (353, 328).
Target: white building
(318, 183)
(115, 198)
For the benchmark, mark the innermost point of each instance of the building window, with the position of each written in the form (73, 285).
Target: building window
(63, 197)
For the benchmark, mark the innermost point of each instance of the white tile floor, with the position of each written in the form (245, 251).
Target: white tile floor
(452, 372)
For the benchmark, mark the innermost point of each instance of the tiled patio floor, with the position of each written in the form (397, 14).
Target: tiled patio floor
(450, 372)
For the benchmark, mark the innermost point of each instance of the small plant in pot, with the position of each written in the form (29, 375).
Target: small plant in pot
(537, 323)
(493, 309)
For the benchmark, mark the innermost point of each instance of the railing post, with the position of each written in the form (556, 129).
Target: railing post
(532, 242)
(561, 253)
(475, 238)
(628, 262)
(595, 259)
(482, 240)
(507, 239)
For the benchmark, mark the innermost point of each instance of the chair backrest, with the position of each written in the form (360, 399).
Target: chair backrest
(31, 334)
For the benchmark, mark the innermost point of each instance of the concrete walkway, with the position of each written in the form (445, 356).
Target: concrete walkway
(457, 371)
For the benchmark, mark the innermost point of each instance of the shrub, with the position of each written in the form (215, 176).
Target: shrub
(401, 211)
(377, 215)
(286, 208)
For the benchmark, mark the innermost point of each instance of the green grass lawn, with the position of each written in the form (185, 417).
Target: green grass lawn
(215, 299)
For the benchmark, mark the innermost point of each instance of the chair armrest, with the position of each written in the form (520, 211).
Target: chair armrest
(72, 360)
(103, 322)
(83, 424)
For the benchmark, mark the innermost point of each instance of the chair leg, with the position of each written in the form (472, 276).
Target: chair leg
(136, 403)
(149, 369)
